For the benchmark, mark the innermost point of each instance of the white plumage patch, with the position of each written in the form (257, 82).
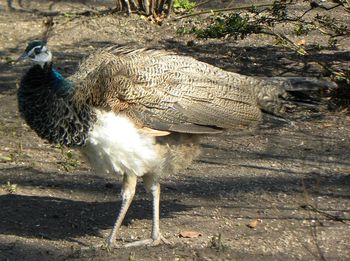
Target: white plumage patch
(116, 145)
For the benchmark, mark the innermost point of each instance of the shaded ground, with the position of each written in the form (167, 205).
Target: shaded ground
(53, 207)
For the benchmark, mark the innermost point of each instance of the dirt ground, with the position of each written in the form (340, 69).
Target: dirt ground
(270, 194)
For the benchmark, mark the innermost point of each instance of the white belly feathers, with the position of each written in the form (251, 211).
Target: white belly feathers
(116, 145)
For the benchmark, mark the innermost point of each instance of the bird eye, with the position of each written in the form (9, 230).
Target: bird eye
(37, 50)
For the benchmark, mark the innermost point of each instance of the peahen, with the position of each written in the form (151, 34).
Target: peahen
(139, 112)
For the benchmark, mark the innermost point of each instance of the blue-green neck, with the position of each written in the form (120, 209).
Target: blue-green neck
(46, 102)
(59, 83)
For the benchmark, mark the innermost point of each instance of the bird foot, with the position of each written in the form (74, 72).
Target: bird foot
(148, 242)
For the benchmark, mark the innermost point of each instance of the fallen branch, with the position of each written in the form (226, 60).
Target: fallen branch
(330, 216)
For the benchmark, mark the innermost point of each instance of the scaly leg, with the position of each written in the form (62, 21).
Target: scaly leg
(128, 192)
(157, 238)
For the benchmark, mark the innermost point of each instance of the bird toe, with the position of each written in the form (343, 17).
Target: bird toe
(148, 242)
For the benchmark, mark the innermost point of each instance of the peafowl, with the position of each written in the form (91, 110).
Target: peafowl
(140, 112)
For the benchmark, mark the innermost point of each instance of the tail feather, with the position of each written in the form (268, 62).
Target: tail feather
(280, 95)
(302, 83)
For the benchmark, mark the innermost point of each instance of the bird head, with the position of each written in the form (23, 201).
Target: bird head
(38, 52)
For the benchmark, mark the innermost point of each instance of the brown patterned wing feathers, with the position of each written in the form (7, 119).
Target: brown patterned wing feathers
(165, 91)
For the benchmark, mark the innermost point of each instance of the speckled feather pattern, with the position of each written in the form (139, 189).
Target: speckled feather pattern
(117, 92)
(166, 91)
(46, 103)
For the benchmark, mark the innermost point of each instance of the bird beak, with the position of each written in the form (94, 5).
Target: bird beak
(22, 57)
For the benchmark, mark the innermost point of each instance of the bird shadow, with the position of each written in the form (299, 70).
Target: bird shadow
(58, 218)
(66, 218)
(61, 218)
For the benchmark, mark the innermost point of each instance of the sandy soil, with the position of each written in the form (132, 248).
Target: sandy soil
(271, 194)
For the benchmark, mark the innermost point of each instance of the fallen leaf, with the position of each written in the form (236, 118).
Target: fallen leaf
(301, 42)
(189, 234)
(327, 125)
(253, 223)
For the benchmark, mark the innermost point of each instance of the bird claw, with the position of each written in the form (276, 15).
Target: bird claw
(148, 242)
(110, 244)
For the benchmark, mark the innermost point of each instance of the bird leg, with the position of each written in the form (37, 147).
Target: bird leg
(156, 237)
(128, 192)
